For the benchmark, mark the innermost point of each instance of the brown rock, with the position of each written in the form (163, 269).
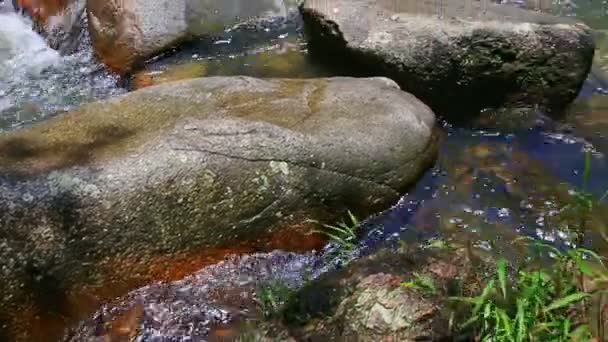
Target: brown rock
(125, 33)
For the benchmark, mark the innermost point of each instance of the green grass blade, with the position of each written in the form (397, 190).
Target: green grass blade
(470, 322)
(603, 196)
(581, 333)
(336, 238)
(501, 269)
(409, 284)
(506, 323)
(587, 170)
(598, 275)
(520, 320)
(549, 247)
(353, 219)
(487, 311)
(468, 300)
(343, 235)
(338, 229)
(566, 327)
(482, 299)
(596, 256)
(566, 301)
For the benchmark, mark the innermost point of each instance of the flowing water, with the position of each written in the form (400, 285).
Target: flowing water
(37, 82)
(495, 179)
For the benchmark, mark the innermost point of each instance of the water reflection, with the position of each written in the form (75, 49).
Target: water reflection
(489, 186)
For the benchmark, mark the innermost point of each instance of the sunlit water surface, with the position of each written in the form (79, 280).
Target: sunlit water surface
(37, 82)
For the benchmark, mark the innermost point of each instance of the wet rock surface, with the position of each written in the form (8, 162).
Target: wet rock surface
(589, 120)
(455, 58)
(283, 60)
(369, 300)
(196, 307)
(126, 33)
(365, 301)
(41, 9)
(192, 165)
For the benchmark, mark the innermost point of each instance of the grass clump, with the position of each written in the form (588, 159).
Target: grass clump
(422, 283)
(540, 304)
(565, 301)
(344, 234)
(271, 298)
(533, 306)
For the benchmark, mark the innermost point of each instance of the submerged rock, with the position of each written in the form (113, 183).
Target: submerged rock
(456, 58)
(95, 196)
(282, 62)
(217, 298)
(589, 120)
(390, 295)
(378, 297)
(126, 33)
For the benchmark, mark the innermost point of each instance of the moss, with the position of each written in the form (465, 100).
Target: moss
(316, 97)
(96, 131)
(108, 129)
(258, 105)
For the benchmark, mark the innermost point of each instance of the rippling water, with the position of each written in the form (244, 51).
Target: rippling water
(37, 82)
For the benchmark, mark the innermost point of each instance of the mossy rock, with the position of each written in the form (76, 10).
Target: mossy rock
(370, 299)
(457, 59)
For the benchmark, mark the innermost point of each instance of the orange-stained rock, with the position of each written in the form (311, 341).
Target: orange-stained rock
(41, 10)
(125, 33)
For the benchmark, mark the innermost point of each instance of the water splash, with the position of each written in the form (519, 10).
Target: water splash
(22, 51)
(36, 81)
(220, 296)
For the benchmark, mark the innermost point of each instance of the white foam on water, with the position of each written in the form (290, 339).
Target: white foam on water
(21, 49)
(36, 81)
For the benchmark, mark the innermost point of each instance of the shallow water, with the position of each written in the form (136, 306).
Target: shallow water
(36, 82)
(495, 179)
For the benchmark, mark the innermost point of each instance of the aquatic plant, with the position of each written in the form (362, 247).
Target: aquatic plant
(580, 206)
(422, 283)
(566, 301)
(271, 297)
(563, 302)
(344, 234)
(534, 305)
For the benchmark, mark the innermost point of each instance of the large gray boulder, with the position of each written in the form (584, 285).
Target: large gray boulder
(458, 57)
(125, 33)
(96, 201)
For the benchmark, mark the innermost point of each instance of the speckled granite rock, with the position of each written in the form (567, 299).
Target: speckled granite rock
(456, 58)
(186, 166)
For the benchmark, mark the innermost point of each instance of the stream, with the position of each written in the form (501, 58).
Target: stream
(495, 179)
